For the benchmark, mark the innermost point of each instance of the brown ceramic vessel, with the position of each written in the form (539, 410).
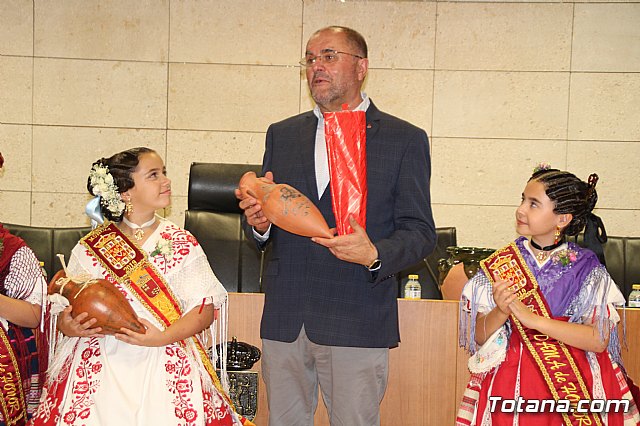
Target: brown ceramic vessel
(285, 206)
(101, 300)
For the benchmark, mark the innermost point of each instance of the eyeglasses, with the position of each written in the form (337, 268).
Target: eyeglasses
(327, 56)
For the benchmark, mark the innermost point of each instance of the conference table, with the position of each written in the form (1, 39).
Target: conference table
(427, 371)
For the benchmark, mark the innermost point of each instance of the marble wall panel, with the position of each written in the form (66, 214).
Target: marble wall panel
(59, 209)
(605, 106)
(504, 37)
(98, 29)
(621, 223)
(15, 145)
(15, 89)
(398, 34)
(186, 147)
(407, 94)
(62, 156)
(16, 207)
(527, 105)
(615, 163)
(236, 32)
(233, 98)
(478, 225)
(16, 27)
(474, 171)
(175, 212)
(100, 93)
(606, 37)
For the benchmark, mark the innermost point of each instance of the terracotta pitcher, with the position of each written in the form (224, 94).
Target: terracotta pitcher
(285, 206)
(101, 300)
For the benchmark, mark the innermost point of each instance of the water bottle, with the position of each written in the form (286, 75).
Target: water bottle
(413, 290)
(634, 296)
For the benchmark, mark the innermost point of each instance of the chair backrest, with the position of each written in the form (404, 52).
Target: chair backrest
(622, 256)
(214, 218)
(46, 243)
(427, 269)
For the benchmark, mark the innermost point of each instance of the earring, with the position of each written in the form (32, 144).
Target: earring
(128, 207)
(557, 235)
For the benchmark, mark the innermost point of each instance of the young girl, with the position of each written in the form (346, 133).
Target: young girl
(162, 376)
(539, 319)
(22, 294)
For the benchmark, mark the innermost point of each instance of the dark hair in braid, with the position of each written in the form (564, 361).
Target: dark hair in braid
(571, 195)
(120, 165)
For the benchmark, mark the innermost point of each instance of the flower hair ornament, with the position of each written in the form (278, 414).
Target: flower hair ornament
(106, 194)
(541, 166)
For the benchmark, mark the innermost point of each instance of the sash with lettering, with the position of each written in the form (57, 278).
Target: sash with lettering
(14, 406)
(554, 360)
(129, 266)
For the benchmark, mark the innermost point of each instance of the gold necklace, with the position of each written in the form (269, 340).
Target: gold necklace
(542, 256)
(544, 251)
(138, 234)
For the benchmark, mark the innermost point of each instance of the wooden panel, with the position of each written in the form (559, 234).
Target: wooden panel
(631, 354)
(427, 371)
(422, 368)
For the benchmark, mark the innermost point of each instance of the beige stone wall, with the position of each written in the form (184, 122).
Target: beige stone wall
(499, 86)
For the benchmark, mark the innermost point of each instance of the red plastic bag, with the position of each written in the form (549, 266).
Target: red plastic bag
(345, 134)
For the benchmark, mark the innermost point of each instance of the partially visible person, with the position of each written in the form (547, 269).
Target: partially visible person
(331, 312)
(162, 376)
(23, 350)
(549, 331)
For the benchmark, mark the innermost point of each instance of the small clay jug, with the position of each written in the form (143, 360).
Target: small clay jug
(469, 256)
(101, 300)
(285, 206)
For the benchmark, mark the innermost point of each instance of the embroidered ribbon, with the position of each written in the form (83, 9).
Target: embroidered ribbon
(14, 407)
(555, 363)
(129, 265)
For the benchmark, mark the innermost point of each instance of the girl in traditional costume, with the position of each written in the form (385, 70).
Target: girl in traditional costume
(540, 318)
(164, 375)
(22, 292)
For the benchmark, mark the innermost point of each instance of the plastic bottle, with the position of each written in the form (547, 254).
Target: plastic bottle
(634, 296)
(413, 290)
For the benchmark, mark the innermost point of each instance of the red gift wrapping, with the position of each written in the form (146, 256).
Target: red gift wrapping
(346, 137)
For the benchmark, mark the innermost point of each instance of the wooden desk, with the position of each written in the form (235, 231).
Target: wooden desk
(427, 371)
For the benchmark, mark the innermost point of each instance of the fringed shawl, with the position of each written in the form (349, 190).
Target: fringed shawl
(582, 290)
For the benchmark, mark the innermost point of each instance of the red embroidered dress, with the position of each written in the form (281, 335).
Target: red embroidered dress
(103, 381)
(20, 278)
(578, 291)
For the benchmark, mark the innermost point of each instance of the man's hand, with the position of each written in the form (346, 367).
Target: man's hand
(253, 210)
(355, 247)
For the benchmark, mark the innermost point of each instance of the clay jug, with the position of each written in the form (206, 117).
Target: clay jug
(285, 206)
(101, 300)
(470, 257)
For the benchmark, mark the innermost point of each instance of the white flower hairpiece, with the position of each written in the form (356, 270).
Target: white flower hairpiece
(103, 185)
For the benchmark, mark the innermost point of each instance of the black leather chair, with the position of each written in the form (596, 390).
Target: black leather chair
(213, 217)
(47, 242)
(427, 269)
(622, 256)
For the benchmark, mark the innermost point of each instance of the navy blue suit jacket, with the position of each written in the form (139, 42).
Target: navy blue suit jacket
(341, 303)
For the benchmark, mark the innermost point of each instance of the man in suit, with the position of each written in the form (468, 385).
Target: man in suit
(330, 313)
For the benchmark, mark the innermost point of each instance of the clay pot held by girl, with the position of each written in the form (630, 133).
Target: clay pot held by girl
(285, 206)
(101, 300)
